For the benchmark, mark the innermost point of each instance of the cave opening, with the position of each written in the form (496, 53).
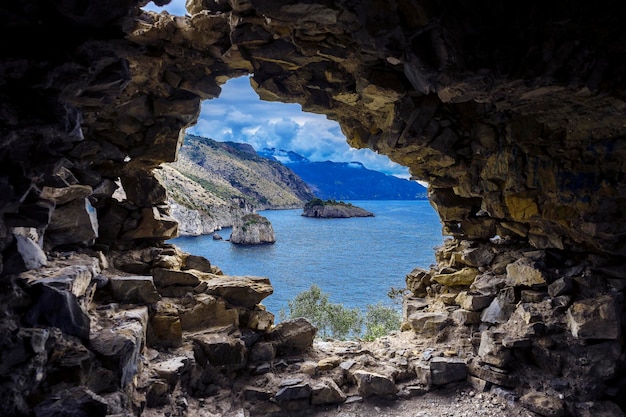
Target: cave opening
(369, 257)
(513, 116)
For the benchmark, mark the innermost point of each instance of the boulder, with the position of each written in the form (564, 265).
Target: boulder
(252, 229)
(326, 391)
(73, 222)
(134, 289)
(292, 336)
(371, 384)
(244, 291)
(595, 318)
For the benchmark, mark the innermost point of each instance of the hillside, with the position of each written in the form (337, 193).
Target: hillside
(347, 180)
(213, 181)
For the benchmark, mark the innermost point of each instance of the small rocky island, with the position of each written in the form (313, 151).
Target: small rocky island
(252, 229)
(333, 209)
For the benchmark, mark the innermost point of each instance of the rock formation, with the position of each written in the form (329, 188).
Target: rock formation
(512, 112)
(252, 229)
(214, 183)
(333, 209)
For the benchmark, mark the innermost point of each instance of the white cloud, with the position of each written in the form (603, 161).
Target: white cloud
(239, 115)
(175, 7)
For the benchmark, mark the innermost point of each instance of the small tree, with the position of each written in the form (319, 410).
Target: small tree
(380, 320)
(343, 322)
(331, 319)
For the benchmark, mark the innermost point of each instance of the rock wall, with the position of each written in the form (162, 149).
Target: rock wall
(514, 114)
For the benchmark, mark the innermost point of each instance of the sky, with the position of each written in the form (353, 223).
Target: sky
(239, 115)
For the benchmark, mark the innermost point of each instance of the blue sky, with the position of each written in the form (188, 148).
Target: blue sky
(175, 7)
(239, 115)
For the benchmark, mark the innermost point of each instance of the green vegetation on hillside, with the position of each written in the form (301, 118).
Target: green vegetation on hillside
(228, 170)
(320, 202)
(212, 187)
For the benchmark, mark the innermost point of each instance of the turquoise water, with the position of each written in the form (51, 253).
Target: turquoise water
(355, 260)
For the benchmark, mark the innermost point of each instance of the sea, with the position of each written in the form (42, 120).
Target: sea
(356, 261)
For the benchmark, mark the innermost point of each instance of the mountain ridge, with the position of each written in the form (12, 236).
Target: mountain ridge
(339, 181)
(213, 183)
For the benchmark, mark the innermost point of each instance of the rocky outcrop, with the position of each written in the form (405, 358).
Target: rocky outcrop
(195, 222)
(513, 113)
(252, 229)
(326, 209)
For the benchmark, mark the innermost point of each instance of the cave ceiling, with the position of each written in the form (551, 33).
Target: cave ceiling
(513, 115)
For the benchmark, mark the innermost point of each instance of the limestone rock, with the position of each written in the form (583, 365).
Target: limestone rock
(372, 384)
(73, 222)
(205, 311)
(595, 318)
(465, 317)
(498, 311)
(168, 277)
(293, 392)
(477, 257)
(445, 370)
(59, 308)
(252, 229)
(153, 225)
(428, 324)
(119, 348)
(473, 302)
(333, 210)
(64, 195)
(199, 263)
(134, 289)
(292, 336)
(462, 278)
(164, 328)
(491, 350)
(411, 305)
(524, 273)
(327, 392)
(32, 256)
(417, 281)
(245, 291)
(492, 374)
(543, 405)
(220, 350)
(261, 320)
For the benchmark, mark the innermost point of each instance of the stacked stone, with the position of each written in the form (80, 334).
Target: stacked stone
(530, 322)
(517, 125)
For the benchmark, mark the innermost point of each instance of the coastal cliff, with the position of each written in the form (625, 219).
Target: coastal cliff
(212, 184)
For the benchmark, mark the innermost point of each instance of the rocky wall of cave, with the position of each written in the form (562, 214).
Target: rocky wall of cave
(514, 116)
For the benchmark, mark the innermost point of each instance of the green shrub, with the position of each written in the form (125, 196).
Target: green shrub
(380, 320)
(336, 321)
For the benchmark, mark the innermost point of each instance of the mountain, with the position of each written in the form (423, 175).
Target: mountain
(346, 180)
(213, 182)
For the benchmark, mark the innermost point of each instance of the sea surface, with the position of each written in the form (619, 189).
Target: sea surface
(355, 260)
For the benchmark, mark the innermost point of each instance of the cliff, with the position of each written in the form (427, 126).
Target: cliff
(213, 183)
(347, 180)
(332, 209)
